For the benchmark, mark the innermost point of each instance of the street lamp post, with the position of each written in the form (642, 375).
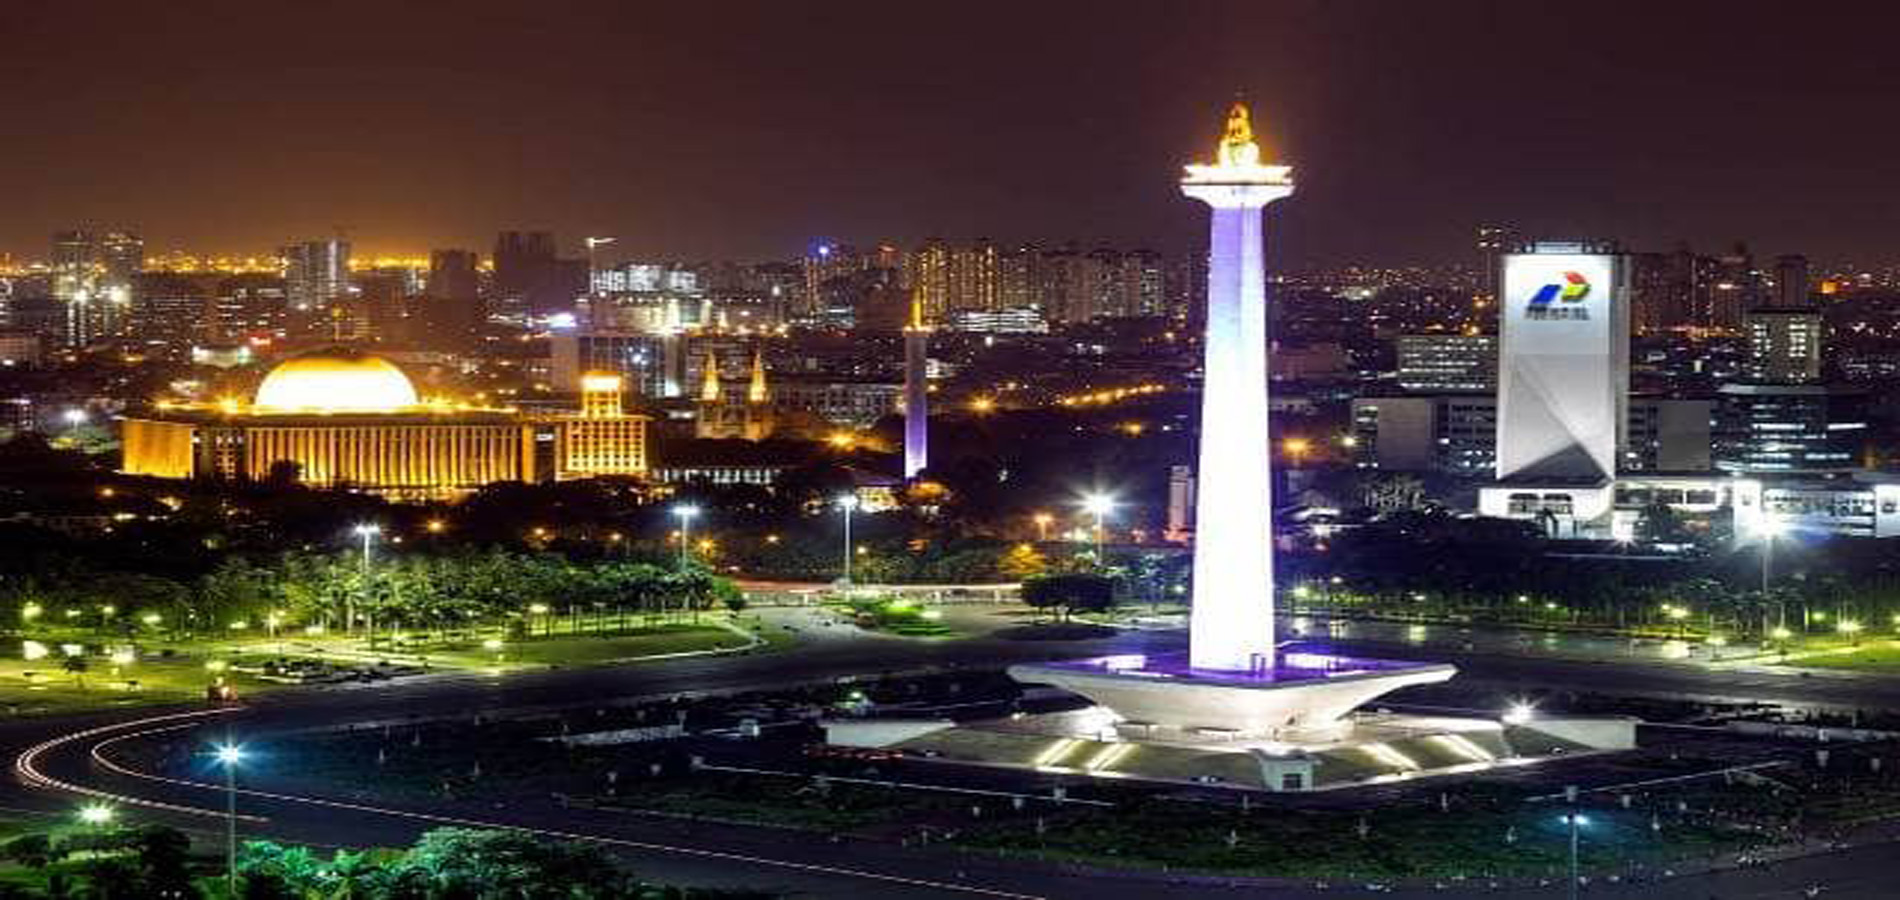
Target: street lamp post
(368, 532)
(1576, 821)
(1771, 528)
(686, 512)
(229, 755)
(1099, 505)
(847, 504)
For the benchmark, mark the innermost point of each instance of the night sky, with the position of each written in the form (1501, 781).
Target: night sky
(744, 130)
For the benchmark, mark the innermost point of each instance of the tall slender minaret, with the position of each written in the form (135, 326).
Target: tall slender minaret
(1232, 619)
(756, 391)
(710, 390)
(916, 391)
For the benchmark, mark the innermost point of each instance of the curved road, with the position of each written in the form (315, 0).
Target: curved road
(55, 758)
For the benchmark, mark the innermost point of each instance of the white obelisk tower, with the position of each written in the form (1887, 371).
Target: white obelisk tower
(916, 392)
(1232, 626)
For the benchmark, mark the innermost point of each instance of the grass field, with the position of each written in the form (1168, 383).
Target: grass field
(1871, 655)
(157, 671)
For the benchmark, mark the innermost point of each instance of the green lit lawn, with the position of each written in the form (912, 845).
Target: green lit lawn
(41, 686)
(1873, 655)
(566, 650)
(38, 687)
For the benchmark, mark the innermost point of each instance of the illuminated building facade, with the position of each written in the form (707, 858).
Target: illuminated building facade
(1449, 362)
(92, 280)
(341, 419)
(316, 275)
(723, 416)
(602, 439)
(1784, 345)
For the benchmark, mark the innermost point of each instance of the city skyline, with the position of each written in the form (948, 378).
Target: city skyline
(707, 135)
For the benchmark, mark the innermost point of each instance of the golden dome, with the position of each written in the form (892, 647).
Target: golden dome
(335, 381)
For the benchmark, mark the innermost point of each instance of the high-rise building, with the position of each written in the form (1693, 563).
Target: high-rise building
(1446, 363)
(121, 259)
(1788, 429)
(647, 363)
(250, 306)
(1736, 288)
(75, 283)
(1784, 344)
(1019, 278)
(1563, 372)
(927, 272)
(75, 264)
(1791, 281)
(173, 310)
(826, 262)
(1492, 243)
(1668, 434)
(316, 278)
(531, 278)
(450, 313)
(1141, 288)
(1673, 290)
(970, 279)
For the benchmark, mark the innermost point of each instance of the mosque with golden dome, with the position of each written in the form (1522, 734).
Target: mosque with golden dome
(344, 419)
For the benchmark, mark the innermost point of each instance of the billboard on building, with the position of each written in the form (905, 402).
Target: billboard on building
(1563, 378)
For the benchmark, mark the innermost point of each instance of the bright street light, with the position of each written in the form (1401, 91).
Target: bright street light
(1098, 505)
(368, 532)
(1771, 527)
(848, 504)
(95, 814)
(1520, 712)
(1576, 821)
(229, 755)
(686, 513)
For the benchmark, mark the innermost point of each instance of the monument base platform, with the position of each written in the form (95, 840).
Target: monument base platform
(1301, 694)
(1373, 748)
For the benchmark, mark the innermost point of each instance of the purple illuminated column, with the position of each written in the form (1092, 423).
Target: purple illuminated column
(916, 396)
(1232, 627)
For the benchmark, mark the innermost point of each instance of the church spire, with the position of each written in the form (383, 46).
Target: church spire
(756, 391)
(709, 383)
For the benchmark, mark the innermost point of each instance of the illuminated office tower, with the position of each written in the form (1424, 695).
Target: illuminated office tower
(916, 392)
(1232, 624)
(316, 275)
(1784, 344)
(971, 278)
(75, 284)
(927, 272)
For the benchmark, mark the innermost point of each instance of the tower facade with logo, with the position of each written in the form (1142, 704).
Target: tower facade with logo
(1563, 363)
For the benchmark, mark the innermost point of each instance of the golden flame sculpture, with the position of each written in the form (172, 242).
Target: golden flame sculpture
(1237, 157)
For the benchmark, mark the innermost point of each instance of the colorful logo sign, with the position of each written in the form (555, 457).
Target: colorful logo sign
(1573, 289)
